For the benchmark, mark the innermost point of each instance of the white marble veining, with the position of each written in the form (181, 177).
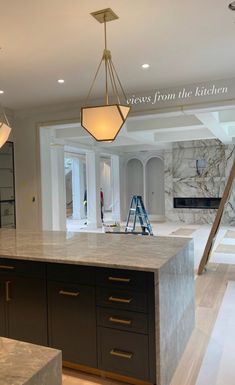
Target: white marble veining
(147, 253)
(22, 363)
(183, 180)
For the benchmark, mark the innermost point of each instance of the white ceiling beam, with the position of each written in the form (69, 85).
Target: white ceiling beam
(181, 136)
(162, 123)
(227, 116)
(231, 131)
(221, 105)
(211, 121)
(71, 132)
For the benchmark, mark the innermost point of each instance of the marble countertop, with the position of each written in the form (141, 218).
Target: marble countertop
(20, 362)
(146, 253)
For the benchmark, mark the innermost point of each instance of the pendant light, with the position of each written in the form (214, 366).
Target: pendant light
(5, 128)
(105, 121)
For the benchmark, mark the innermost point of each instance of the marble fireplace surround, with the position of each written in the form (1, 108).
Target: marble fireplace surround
(183, 180)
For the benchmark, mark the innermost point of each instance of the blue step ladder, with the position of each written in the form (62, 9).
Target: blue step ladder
(138, 211)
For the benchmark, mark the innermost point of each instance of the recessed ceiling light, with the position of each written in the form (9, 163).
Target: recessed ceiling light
(232, 6)
(1, 92)
(61, 81)
(145, 66)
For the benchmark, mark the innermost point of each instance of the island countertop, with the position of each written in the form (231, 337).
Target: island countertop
(146, 253)
(22, 363)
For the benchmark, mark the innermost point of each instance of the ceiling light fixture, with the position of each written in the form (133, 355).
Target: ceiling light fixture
(61, 81)
(1, 92)
(232, 6)
(5, 128)
(145, 66)
(104, 122)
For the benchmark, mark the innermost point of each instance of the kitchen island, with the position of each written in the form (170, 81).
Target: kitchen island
(117, 305)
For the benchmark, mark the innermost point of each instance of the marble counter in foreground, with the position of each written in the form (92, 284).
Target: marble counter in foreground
(22, 363)
(102, 250)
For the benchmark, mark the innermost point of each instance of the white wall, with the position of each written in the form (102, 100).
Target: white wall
(27, 160)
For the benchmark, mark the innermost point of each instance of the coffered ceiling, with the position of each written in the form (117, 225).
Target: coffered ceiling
(184, 42)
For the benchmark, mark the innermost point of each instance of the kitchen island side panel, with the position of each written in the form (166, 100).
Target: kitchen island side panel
(175, 311)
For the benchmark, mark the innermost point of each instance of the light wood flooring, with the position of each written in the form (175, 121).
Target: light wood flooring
(210, 289)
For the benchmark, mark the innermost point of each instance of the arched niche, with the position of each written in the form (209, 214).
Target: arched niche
(155, 199)
(134, 179)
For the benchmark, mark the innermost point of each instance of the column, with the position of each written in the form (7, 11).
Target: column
(77, 188)
(45, 158)
(93, 189)
(115, 183)
(58, 188)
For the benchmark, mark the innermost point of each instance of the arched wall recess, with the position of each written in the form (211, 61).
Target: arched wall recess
(145, 177)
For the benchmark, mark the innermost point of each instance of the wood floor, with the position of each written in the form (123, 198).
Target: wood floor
(210, 289)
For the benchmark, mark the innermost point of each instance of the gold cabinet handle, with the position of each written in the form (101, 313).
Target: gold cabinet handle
(121, 353)
(69, 293)
(119, 279)
(7, 284)
(6, 267)
(122, 300)
(120, 321)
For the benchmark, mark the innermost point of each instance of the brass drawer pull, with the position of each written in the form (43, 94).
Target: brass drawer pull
(69, 293)
(6, 267)
(121, 353)
(120, 321)
(8, 298)
(122, 300)
(118, 279)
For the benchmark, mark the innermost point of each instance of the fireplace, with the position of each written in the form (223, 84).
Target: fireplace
(196, 203)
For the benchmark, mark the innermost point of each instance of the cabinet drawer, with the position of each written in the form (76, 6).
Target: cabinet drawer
(71, 273)
(123, 320)
(124, 353)
(122, 299)
(24, 268)
(123, 279)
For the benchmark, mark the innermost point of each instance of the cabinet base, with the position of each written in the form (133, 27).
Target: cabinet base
(103, 373)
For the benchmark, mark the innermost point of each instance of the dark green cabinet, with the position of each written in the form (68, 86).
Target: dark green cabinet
(72, 321)
(125, 323)
(124, 353)
(23, 301)
(27, 310)
(100, 318)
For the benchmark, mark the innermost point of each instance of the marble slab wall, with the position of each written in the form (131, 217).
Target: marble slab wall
(183, 179)
(175, 311)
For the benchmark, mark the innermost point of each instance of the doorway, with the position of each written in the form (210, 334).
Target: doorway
(76, 190)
